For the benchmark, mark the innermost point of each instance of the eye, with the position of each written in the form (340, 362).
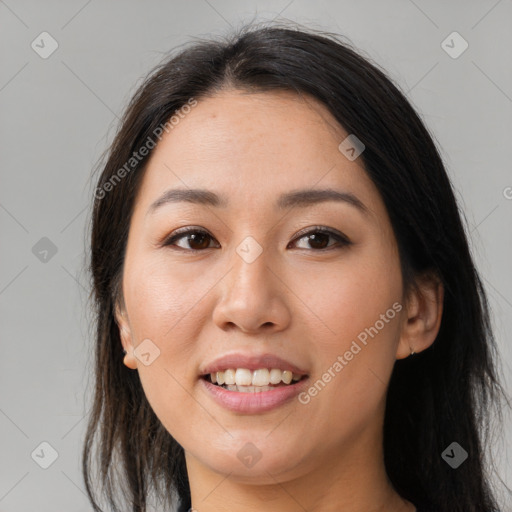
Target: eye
(319, 235)
(198, 239)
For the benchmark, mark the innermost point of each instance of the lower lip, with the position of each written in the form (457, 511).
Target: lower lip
(253, 402)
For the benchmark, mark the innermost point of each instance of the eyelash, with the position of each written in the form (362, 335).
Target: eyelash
(182, 233)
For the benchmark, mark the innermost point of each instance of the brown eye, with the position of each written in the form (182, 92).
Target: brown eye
(196, 238)
(318, 239)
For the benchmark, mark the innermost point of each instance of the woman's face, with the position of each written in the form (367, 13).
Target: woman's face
(255, 284)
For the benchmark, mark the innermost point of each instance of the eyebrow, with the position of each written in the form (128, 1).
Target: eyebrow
(295, 198)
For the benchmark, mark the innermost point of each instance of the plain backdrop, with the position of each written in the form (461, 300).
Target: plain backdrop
(59, 113)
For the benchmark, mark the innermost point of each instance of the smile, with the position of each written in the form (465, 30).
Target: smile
(247, 381)
(273, 388)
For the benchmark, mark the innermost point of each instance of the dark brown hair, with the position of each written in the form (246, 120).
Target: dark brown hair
(441, 395)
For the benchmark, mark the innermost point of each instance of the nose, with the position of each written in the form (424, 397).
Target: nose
(252, 297)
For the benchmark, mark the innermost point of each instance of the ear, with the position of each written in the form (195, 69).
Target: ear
(125, 333)
(424, 311)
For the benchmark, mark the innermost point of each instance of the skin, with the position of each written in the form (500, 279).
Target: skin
(295, 300)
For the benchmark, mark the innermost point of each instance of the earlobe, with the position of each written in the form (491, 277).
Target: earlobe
(129, 360)
(126, 338)
(424, 313)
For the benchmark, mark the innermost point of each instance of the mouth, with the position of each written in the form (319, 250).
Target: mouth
(243, 380)
(246, 391)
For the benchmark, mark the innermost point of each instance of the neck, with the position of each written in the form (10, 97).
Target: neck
(352, 479)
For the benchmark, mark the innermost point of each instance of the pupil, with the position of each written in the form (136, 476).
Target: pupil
(316, 238)
(195, 236)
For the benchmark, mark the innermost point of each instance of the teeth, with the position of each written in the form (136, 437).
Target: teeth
(249, 389)
(229, 377)
(287, 377)
(275, 376)
(260, 378)
(243, 377)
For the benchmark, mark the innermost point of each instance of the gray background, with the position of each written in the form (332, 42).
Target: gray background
(58, 115)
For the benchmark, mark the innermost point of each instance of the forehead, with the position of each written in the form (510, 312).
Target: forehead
(251, 146)
(245, 124)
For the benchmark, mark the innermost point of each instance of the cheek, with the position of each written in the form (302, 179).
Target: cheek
(357, 309)
(163, 307)
(162, 298)
(347, 297)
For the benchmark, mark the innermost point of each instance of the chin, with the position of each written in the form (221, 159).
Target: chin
(255, 467)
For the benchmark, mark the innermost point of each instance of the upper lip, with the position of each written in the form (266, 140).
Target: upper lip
(250, 362)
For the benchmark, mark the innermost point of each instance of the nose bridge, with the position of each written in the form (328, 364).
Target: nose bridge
(250, 274)
(252, 252)
(249, 296)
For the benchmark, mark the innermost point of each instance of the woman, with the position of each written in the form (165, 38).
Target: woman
(288, 314)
